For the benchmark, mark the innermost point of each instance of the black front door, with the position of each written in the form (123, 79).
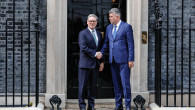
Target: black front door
(78, 10)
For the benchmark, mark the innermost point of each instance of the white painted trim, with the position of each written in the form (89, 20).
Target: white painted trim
(154, 106)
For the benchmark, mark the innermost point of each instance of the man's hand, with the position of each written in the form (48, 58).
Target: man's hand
(98, 55)
(101, 67)
(131, 64)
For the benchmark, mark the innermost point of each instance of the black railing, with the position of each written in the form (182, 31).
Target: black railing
(15, 40)
(158, 24)
(178, 55)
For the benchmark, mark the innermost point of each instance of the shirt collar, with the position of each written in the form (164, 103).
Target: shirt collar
(118, 24)
(91, 29)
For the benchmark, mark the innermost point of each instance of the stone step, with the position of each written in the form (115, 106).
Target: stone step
(97, 107)
(100, 104)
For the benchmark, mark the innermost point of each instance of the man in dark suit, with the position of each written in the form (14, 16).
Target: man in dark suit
(119, 40)
(90, 42)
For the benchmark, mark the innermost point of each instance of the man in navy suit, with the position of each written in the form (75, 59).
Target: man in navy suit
(90, 42)
(119, 40)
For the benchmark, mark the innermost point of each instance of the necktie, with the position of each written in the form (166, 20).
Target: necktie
(114, 33)
(93, 33)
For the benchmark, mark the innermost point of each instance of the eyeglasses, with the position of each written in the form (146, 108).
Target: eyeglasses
(92, 21)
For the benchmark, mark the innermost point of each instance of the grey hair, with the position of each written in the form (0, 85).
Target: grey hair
(92, 15)
(115, 11)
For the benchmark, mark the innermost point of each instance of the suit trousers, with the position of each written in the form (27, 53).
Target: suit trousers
(87, 77)
(121, 81)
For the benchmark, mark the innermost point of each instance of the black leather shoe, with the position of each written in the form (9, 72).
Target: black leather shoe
(82, 109)
(90, 108)
(119, 108)
(128, 108)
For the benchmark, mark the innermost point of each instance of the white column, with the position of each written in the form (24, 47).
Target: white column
(137, 16)
(56, 50)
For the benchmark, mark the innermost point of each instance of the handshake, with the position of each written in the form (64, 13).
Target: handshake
(98, 55)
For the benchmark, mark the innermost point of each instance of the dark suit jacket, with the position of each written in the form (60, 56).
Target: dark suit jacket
(88, 49)
(122, 47)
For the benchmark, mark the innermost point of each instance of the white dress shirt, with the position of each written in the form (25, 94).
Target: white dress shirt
(94, 33)
(117, 26)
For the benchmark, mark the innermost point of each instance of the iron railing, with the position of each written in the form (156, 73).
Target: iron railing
(162, 32)
(11, 32)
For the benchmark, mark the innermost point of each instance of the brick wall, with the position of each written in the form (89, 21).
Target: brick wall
(21, 13)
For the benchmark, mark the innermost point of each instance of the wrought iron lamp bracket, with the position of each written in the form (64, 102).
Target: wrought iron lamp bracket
(158, 15)
(36, 23)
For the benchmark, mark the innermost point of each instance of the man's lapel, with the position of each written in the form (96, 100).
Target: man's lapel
(90, 36)
(99, 39)
(110, 32)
